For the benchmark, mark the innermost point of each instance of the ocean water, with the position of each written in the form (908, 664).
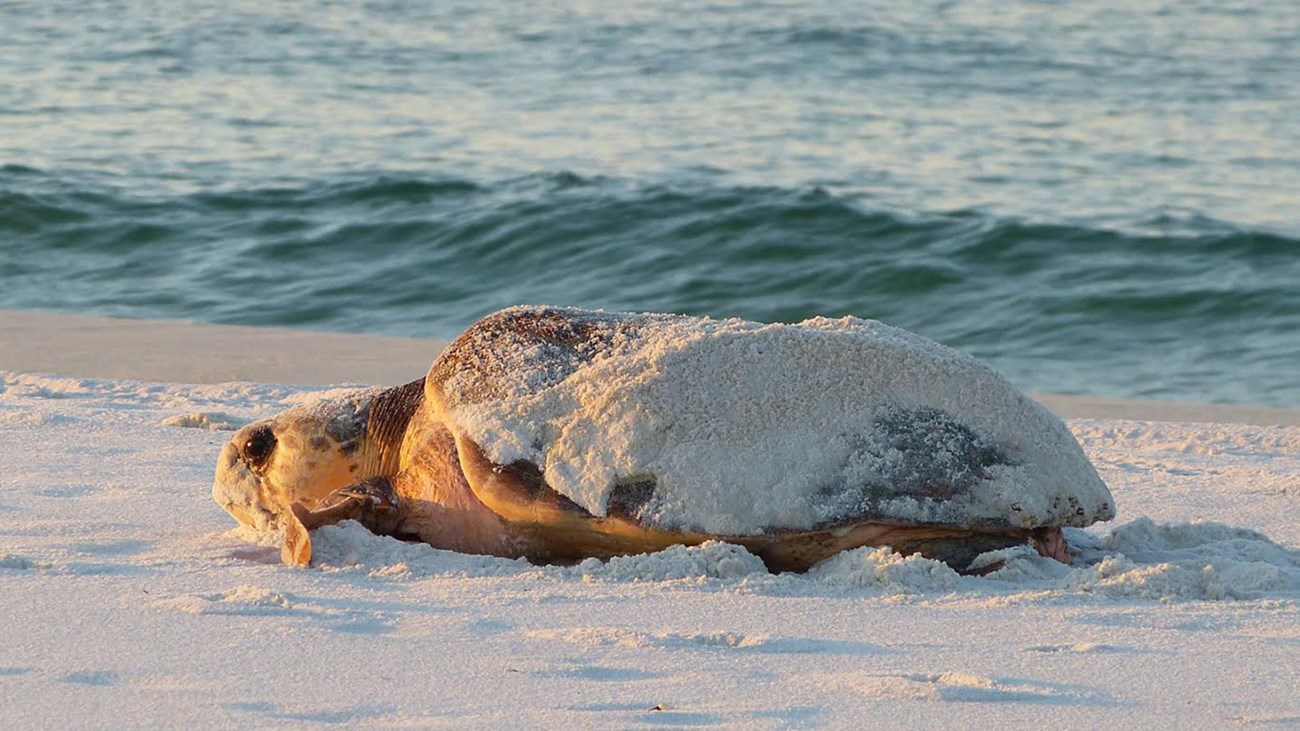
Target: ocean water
(1098, 198)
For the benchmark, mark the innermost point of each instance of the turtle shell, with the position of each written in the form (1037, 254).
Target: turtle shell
(636, 431)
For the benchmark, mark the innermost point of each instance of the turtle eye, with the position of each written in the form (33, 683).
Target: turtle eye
(259, 446)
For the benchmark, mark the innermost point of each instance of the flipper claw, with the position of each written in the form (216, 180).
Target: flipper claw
(377, 492)
(373, 503)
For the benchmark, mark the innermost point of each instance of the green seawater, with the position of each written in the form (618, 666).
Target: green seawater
(1099, 199)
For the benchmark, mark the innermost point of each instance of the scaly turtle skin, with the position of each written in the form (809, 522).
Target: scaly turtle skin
(559, 434)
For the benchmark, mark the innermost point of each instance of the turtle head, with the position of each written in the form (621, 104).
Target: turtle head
(298, 456)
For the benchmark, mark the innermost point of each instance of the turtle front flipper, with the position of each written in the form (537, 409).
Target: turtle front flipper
(553, 527)
(296, 550)
(372, 502)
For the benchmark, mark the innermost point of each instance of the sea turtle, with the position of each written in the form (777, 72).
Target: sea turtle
(558, 434)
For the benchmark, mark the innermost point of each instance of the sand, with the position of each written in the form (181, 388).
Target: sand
(133, 601)
(182, 352)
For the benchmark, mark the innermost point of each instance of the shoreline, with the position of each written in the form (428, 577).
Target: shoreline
(173, 351)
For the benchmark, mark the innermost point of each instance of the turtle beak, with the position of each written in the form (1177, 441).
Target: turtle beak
(238, 491)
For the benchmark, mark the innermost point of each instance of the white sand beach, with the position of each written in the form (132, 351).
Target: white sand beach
(134, 601)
